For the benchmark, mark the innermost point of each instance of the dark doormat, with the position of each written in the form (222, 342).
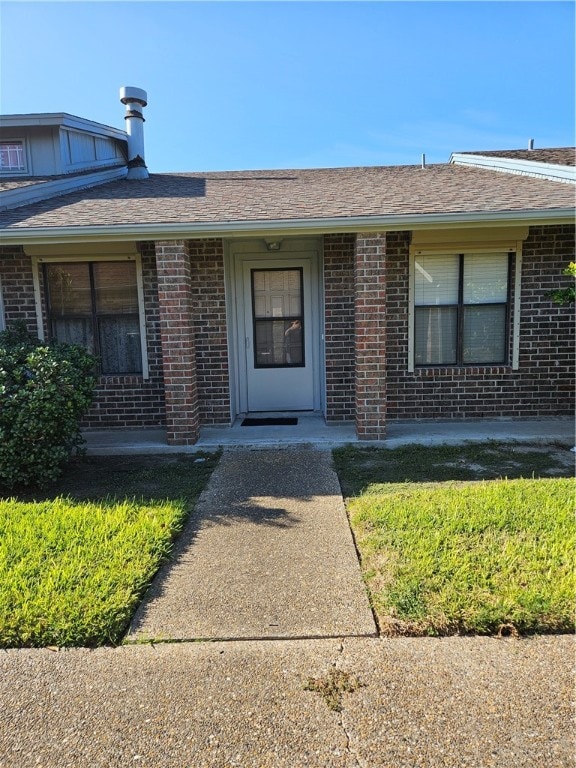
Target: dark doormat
(289, 422)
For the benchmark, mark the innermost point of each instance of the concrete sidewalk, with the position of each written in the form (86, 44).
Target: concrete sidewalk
(268, 553)
(421, 703)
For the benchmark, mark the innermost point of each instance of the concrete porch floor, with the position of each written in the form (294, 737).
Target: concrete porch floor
(312, 429)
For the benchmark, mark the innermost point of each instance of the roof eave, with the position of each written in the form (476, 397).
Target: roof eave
(521, 166)
(319, 226)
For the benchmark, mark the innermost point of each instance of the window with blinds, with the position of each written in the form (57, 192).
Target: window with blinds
(95, 304)
(461, 309)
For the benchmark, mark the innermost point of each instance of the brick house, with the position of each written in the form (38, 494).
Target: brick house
(364, 294)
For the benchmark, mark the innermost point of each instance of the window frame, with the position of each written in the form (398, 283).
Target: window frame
(41, 294)
(512, 341)
(16, 171)
(460, 306)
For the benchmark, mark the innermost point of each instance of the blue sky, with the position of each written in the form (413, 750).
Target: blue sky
(236, 85)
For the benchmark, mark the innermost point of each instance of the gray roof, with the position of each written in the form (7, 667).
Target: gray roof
(285, 195)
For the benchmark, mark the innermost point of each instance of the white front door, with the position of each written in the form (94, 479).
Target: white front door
(277, 321)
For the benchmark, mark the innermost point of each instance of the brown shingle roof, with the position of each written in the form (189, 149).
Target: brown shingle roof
(188, 198)
(555, 156)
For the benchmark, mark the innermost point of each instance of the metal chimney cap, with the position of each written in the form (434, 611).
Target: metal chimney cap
(129, 94)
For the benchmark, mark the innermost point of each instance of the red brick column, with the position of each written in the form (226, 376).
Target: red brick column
(177, 335)
(211, 333)
(370, 335)
(339, 326)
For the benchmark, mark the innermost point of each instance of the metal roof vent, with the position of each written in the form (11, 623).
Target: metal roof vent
(135, 99)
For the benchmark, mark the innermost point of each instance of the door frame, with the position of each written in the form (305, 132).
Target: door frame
(237, 253)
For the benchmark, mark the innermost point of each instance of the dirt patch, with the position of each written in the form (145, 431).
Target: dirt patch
(362, 468)
(513, 460)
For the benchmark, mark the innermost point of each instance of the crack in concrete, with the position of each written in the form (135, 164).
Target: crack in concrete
(357, 762)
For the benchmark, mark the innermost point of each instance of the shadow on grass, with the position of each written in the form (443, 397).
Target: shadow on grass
(108, 479)
(364, 469)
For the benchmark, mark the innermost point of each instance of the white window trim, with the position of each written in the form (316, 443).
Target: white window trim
(515, 304)
(17, 171)
(136, 258)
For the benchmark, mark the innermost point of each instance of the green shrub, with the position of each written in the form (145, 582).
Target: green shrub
(566, 296)
(44, 390)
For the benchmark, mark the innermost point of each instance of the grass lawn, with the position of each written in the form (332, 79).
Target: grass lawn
(468, 539)
(75, 562)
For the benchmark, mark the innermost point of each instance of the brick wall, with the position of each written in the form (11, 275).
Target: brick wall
(17, 287)
(120, 401)
(130, 401)
(370, 335)
(210, 335)
(339, 326)
(543, 385)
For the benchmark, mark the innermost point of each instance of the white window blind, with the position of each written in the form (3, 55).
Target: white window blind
(436, 280)
(485, 278)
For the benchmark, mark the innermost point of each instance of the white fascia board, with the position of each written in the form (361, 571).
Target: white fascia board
(61, 119)
(293, 227)
(551, 171)
(33, 193)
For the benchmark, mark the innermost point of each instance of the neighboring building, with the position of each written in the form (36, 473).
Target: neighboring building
(366, 294)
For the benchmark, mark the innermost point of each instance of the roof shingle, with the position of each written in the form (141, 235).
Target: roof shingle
(284, 195)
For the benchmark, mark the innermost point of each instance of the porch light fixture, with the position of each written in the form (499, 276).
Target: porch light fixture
(273, 245)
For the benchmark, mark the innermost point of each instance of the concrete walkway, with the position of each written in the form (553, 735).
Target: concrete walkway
(313, 430)
(268, 554)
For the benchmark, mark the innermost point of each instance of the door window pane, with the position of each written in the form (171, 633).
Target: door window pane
(279, 342)
(277, 292)
(278, 321)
